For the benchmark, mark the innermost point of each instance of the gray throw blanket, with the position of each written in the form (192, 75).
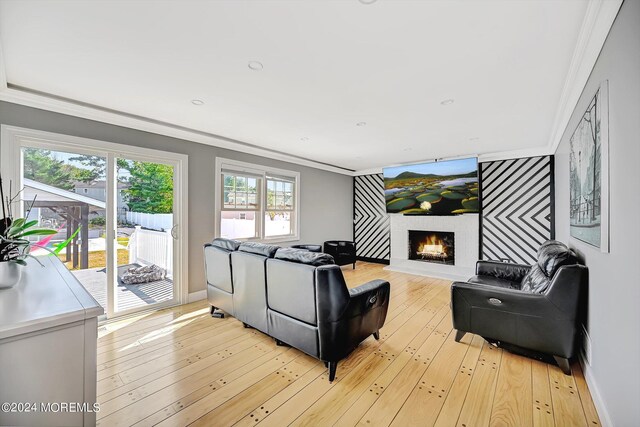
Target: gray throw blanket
(146, 274)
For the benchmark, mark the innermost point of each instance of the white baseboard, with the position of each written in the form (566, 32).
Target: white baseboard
(605, 419)
(434, 274)
(197, 296)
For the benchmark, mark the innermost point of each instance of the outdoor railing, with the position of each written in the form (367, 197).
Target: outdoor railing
(151, 247)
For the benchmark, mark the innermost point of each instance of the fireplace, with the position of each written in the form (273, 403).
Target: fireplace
(432, 246)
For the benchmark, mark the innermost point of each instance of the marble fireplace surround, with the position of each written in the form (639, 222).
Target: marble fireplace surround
(467, 243)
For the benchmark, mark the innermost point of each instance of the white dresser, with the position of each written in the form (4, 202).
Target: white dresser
(48, 344)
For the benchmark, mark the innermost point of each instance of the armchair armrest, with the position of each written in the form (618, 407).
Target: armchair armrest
(503, 299)
(346, 317)
(502, 270)
(568, 289)
(366, 297)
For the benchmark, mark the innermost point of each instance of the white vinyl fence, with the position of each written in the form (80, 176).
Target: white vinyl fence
(242, 228)
(153, 221)
(152, 247)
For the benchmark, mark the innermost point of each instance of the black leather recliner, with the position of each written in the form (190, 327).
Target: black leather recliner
(536, 308)
(311, 308)
(217, 262)
(249, 265)
(342, 251)
(298, 297)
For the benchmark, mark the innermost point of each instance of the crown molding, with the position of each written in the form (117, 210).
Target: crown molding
(482, 157)
(371, 171)
(596, 25)
(55, 104)
(514, 154)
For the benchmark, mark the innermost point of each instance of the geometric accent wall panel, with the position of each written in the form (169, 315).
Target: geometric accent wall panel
(517, 213)
(370, 219)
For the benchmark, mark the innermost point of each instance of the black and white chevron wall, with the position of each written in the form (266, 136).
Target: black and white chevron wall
(517, 208)
(370, 219)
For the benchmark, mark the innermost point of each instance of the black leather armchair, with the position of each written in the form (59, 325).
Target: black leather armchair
(342, 251)
(537, 308)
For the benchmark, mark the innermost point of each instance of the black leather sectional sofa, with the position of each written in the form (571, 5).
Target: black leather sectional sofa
(296, 296)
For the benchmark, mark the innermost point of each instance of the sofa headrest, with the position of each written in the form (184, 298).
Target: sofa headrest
(552, 255)
(303, 256)
(259, 249)
(226, 244)
(310, 248)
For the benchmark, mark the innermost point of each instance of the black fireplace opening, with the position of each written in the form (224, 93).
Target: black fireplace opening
(432, 246)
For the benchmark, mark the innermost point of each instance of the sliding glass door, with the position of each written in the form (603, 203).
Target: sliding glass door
(117, 217)
(145, 234)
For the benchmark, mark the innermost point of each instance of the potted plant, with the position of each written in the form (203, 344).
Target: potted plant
(15, 248)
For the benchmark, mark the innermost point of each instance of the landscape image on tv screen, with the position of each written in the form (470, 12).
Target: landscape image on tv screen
(438, 188)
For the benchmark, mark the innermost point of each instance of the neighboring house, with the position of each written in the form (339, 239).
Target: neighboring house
(98, 190)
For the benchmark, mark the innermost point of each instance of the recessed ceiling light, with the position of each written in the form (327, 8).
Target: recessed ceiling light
(367, 1)
(197, 102)
(255, 65)
(406, 149)
(447, 102)
(361, 124)
(474, 138)
(304, 138)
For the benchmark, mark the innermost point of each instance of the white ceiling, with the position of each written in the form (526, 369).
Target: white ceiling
(327, 66)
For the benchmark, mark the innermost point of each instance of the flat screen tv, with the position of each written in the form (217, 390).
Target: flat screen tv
(437, 188)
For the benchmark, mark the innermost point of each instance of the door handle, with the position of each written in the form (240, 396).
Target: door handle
(174, 232)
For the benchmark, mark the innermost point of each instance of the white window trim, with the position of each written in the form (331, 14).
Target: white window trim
(255, 169)
(13, 138)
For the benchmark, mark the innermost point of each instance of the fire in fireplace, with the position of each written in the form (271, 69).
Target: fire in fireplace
(432, 246)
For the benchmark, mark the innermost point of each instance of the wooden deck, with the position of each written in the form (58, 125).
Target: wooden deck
(94, 280)
(181, 367)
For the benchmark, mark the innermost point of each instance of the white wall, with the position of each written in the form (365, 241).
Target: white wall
(614, 280)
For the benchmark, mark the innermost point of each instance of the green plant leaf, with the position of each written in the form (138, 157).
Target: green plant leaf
(17, 222)
(19, 226)
(38, 232)
(30, 224)
(13, 231)
(60, 246)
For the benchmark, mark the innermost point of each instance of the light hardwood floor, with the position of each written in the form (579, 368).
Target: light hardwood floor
(180, 366)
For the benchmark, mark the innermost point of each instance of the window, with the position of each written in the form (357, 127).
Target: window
(256, 203)
(279, 214)
(240, 206)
